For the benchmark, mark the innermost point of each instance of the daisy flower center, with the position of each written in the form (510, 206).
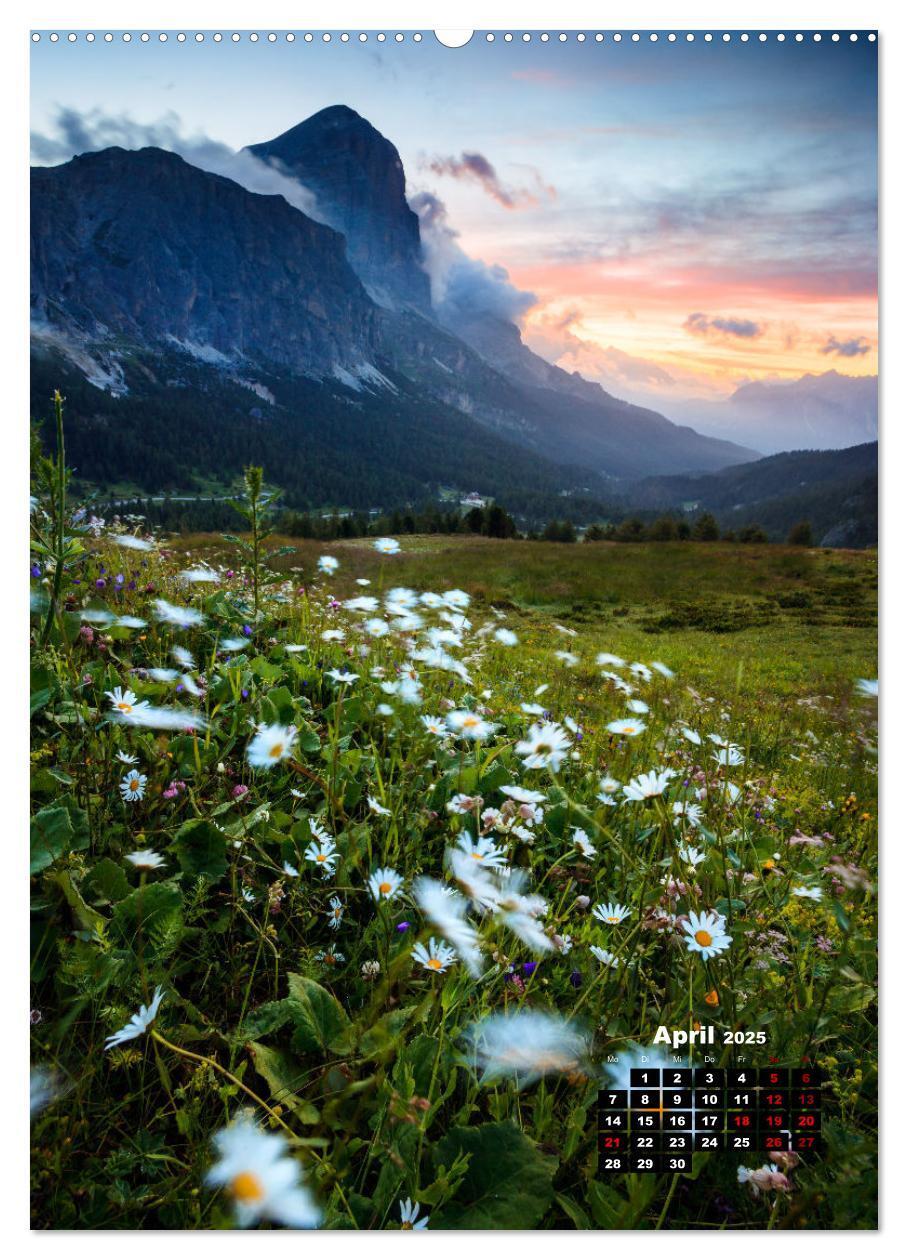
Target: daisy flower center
(134, 785)
(384, 888)
(124, 707)
(434, 963)
(320, 857)
(703, 937)
(247, 1188)
(276, 750)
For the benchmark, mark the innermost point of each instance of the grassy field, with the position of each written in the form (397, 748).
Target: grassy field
(742, 618)
(413, 874)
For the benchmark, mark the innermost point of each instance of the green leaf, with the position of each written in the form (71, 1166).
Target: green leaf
(385, 1032)
(57, 830)
(87, 918)
(107, 880)
(146, 909)
(283, 1074)
(201, 849)
(508, 1184)
(319, 1020)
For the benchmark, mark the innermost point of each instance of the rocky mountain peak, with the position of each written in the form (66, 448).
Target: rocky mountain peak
(358, 178)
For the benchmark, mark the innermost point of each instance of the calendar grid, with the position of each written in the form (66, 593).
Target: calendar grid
(667, 1115)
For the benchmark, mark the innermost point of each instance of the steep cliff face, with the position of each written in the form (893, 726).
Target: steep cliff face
(142, 246)
(358, 178)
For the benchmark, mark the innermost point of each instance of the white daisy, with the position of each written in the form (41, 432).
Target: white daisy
(691, 735)
(483, 851)
(335, 912)
(125, 702)
(386, 546)
(691, 856)
(271, 745)
(868, 687)
(611, 912)
(583, 843)
(377, 807)
(446, 910)
(128, 759)
(437, 956)
(132, 787)
(604, 956)
(651, 784)
(706, 934)
(628, 726)
(385, 883)
(327, 564)
(176, 615)
(524, 796)
(545, 746)
(323, 853)
(609, 658)
(526, 1044)
(145, 859)
(138, 1024)
(264, 1182)
(802, 890)
(469, 725)
(567, 658)
(342, 676)
(662, 669)
(409, 1216)
(507, 638)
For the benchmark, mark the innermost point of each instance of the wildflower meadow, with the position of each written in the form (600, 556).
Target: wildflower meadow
(357, 873)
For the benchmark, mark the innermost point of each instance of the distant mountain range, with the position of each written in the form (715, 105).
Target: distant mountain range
(835, 490)
(160, 290)
(828, 410)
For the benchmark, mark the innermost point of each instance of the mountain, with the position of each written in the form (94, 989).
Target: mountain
(141, 246)
(155, 279)
(827, 410)
(835, 490)
(358, 179)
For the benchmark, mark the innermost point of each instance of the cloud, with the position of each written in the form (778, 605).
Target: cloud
(850, 349)
(475, 167)
(726, 326)
(76, 132)
(463, 287)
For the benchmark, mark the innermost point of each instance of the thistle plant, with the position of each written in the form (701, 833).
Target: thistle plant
(254, 508)
(51, 539)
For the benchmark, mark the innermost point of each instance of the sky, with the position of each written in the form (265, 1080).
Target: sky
(671, 219)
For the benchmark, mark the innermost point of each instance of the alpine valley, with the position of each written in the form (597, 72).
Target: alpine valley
(196, 327)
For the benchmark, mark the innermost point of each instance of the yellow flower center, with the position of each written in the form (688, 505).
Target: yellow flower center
(434, 963)
(124, 707)
(276, 750)
(384, 888)
(703, 937)
(477, 856)
(320, 857)
(134, 785)
(406, 1225)
(471, 721)
(612, 918)
(247, 1187)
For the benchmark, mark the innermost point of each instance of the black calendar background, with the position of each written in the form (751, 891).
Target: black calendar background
(669, 1115)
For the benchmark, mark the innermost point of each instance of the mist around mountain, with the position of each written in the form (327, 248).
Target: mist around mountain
(829, 410)
(152, 276)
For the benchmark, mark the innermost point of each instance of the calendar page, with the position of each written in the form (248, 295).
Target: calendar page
(453, 535)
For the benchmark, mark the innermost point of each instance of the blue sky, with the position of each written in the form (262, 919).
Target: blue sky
(695, 214)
